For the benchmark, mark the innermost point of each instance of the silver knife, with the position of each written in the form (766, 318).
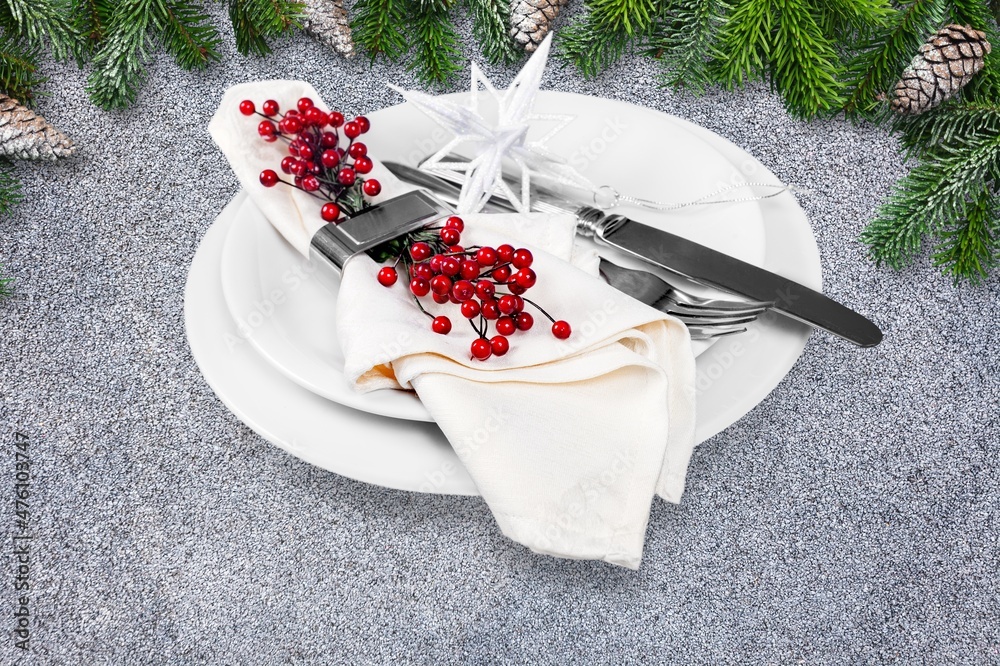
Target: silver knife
(680, 256)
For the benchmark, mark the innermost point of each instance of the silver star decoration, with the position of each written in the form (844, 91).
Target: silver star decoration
(492, 141)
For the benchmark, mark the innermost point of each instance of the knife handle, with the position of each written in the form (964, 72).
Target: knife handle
(594, 223)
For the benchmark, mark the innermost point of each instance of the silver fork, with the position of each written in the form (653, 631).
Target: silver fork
(705, 318)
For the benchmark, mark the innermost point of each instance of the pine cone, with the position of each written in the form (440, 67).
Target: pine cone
(327, 22)
(530, 20)
(945, 63)
(27, 136)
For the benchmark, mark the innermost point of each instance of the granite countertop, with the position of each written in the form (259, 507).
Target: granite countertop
(850, 518)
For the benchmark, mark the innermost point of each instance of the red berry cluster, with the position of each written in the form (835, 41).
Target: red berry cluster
(486, 283)
(316, 162)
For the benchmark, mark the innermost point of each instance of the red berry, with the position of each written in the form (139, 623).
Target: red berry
(436, 263)
(506, 326)
(266, 128)
(315, 117)
(481, 349)
(518, 303)
(336, 118)
(299, 168)
(469, 269)
(525, 278)
(346, 176)
(310, 183)
(507, 304)
(372, 187)
(505, 252)
(419, 287)
(499, 345)
(561, 329)
(450, 236)
(422, 271)
(352, 129)
(450, 266)
(522, 258)
(292, 112)
(456, 249)
(363, 123)
(486, 256)
(329, 140)
(357, 150)
(441, 284)
(298, 181)
(485, 290)
(524, 321)
(456, 223)
(290, 124)
(387, 276)
(441, 324)
(304, 104)
(286, 164)
(363, 165)
(489, 309)
(330, 211)
(463, 290)
(329, 158)
(441, 299)
(247, 107)
(420, 251)
(470, 309)
(270, 107)
(515, 288)
(305, 152)
(268, 178)
(501, 274)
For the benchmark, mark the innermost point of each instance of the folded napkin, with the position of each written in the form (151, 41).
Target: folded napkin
(567, 440)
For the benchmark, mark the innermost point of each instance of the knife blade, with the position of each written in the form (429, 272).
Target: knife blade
(682, 257)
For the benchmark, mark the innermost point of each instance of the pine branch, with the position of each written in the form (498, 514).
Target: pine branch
(971, 247)
(783, 40)
(90, 22)
(5, 289)
(745, 42)
(600, 38)
(845, 20)
(41, 23)
(880, 60)
(18, 68)
(257, 21)
(10, 187)
(995, 8)
(942, 190)
(490, 26)
(119, 67)
(377, 27)
(806, 68)
(630, 17)
(188, 36)
(436, 53)
(684, 41)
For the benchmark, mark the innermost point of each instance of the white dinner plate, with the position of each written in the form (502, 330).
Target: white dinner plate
(288, 313)
(733, 376)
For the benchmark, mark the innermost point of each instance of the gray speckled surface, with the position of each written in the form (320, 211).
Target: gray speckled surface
(850, 518)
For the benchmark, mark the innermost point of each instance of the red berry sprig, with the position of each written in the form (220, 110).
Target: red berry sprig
(316, 162)
(488, 284)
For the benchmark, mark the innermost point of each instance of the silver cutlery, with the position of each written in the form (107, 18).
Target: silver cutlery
(685, 258)
(705, 318)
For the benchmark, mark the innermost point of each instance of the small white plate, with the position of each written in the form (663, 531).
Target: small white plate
(733, 376)
(285, 310)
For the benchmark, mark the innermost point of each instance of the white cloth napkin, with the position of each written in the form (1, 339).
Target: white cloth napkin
(567, 441)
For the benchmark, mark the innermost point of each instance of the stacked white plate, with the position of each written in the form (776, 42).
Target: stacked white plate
(260, 318)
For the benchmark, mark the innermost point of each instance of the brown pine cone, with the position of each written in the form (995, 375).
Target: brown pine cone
(530, 20)
(946, 62)
(27, 136)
